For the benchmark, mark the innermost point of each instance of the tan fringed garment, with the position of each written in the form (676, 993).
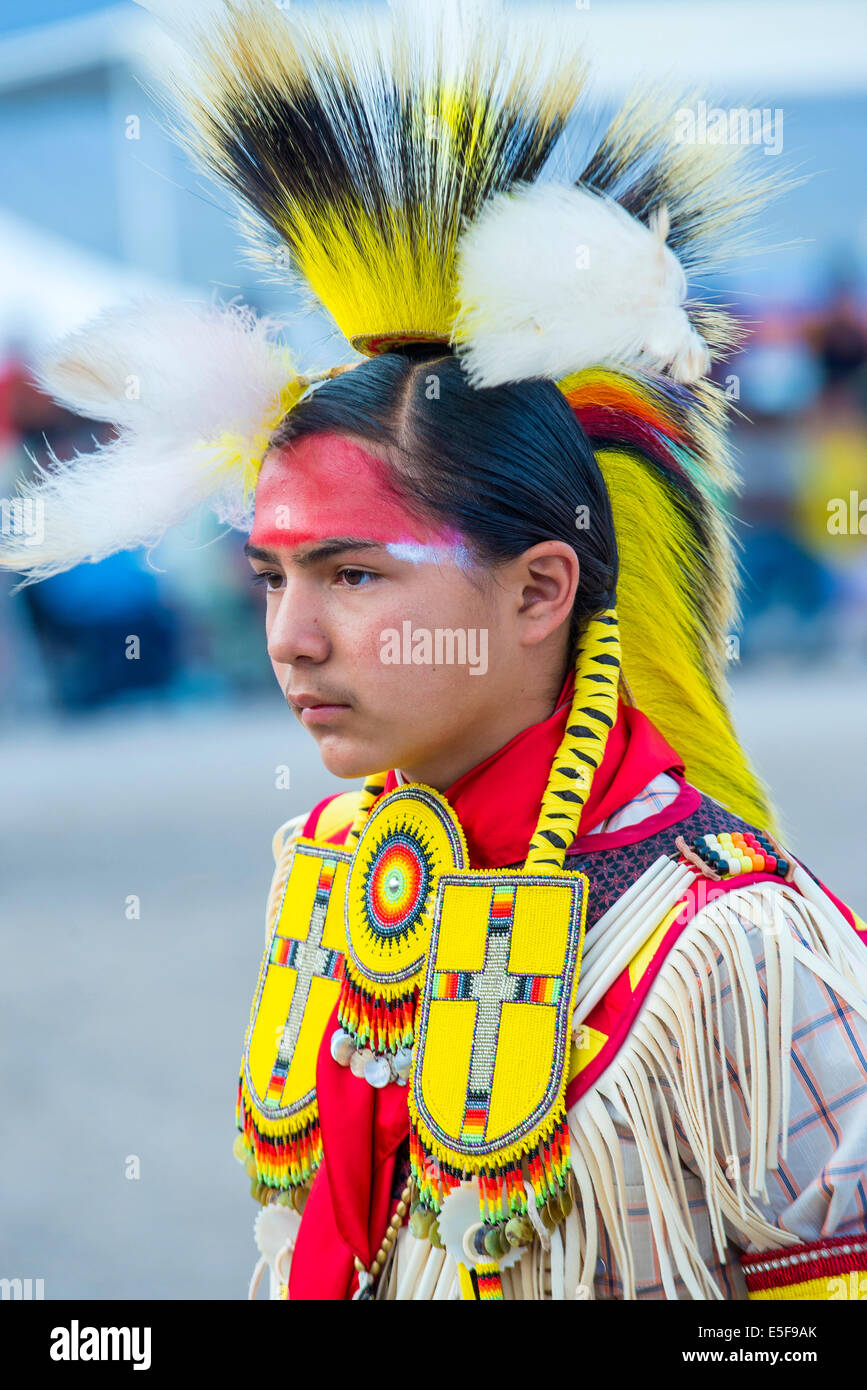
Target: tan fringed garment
(734, 1118)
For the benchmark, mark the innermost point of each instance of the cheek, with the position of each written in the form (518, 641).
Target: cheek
(440, 602)
(448, 598)
(270, 615)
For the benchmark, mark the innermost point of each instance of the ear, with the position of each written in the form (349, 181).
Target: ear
(547, 579)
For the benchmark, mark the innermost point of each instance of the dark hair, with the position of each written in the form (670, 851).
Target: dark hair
(507, 466)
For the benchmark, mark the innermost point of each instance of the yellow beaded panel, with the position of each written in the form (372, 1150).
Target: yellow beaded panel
(298, 985)
(494, 1025)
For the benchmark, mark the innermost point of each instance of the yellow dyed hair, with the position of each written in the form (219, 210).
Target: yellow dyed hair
(662, 641)
(357, 150)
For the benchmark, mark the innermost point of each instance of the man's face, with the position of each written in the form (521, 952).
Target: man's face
(390, 646)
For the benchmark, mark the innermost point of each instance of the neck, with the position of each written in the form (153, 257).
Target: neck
(516, 714)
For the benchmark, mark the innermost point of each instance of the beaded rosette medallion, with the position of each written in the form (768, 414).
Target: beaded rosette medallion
(410, 838)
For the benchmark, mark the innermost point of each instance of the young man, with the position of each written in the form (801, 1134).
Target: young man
(545, 1011)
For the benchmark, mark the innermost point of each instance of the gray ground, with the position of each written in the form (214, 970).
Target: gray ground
(121, 1037)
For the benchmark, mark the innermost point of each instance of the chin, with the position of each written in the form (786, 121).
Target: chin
(351, 760)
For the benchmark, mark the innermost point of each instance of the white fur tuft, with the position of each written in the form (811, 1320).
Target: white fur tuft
(554, 278)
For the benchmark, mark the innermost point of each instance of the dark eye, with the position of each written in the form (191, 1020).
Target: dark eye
(264, 579)
(355, 577)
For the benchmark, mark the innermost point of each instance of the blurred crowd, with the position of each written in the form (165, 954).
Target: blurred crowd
(800, 441)
(799, 392)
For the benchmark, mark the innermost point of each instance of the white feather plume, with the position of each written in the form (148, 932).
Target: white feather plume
(554, 278)
(193, 389)
(124, 496)
(170, 364)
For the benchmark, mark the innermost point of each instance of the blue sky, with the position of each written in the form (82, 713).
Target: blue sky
(27, 14)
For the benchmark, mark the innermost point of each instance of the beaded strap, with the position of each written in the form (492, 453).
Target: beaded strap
(591, 719)
(832, 1268)
(367, 1277)
(373, 787)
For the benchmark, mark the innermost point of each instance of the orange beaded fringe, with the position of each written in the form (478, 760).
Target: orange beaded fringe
(381, 1024)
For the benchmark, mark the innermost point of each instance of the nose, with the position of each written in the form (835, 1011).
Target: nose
(294, 627)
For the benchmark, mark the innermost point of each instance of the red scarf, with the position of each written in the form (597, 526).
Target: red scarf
(497, 803)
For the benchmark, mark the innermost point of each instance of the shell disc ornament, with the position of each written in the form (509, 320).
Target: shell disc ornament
(411, 837)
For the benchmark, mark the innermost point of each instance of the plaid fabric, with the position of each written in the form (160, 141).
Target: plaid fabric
(820, 1188)
(658, 794)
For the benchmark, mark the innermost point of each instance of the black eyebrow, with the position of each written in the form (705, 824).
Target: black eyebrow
(324, 551)
(255, 552)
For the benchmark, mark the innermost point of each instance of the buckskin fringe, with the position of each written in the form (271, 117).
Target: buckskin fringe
(670, 1073)
(670, 1070)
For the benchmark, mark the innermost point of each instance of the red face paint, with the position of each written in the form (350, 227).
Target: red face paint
(326, 487)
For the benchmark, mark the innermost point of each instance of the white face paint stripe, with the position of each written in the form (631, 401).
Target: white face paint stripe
(417, 554)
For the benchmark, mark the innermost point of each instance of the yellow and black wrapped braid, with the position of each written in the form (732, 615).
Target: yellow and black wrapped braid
(582, 748)
(372, 789)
